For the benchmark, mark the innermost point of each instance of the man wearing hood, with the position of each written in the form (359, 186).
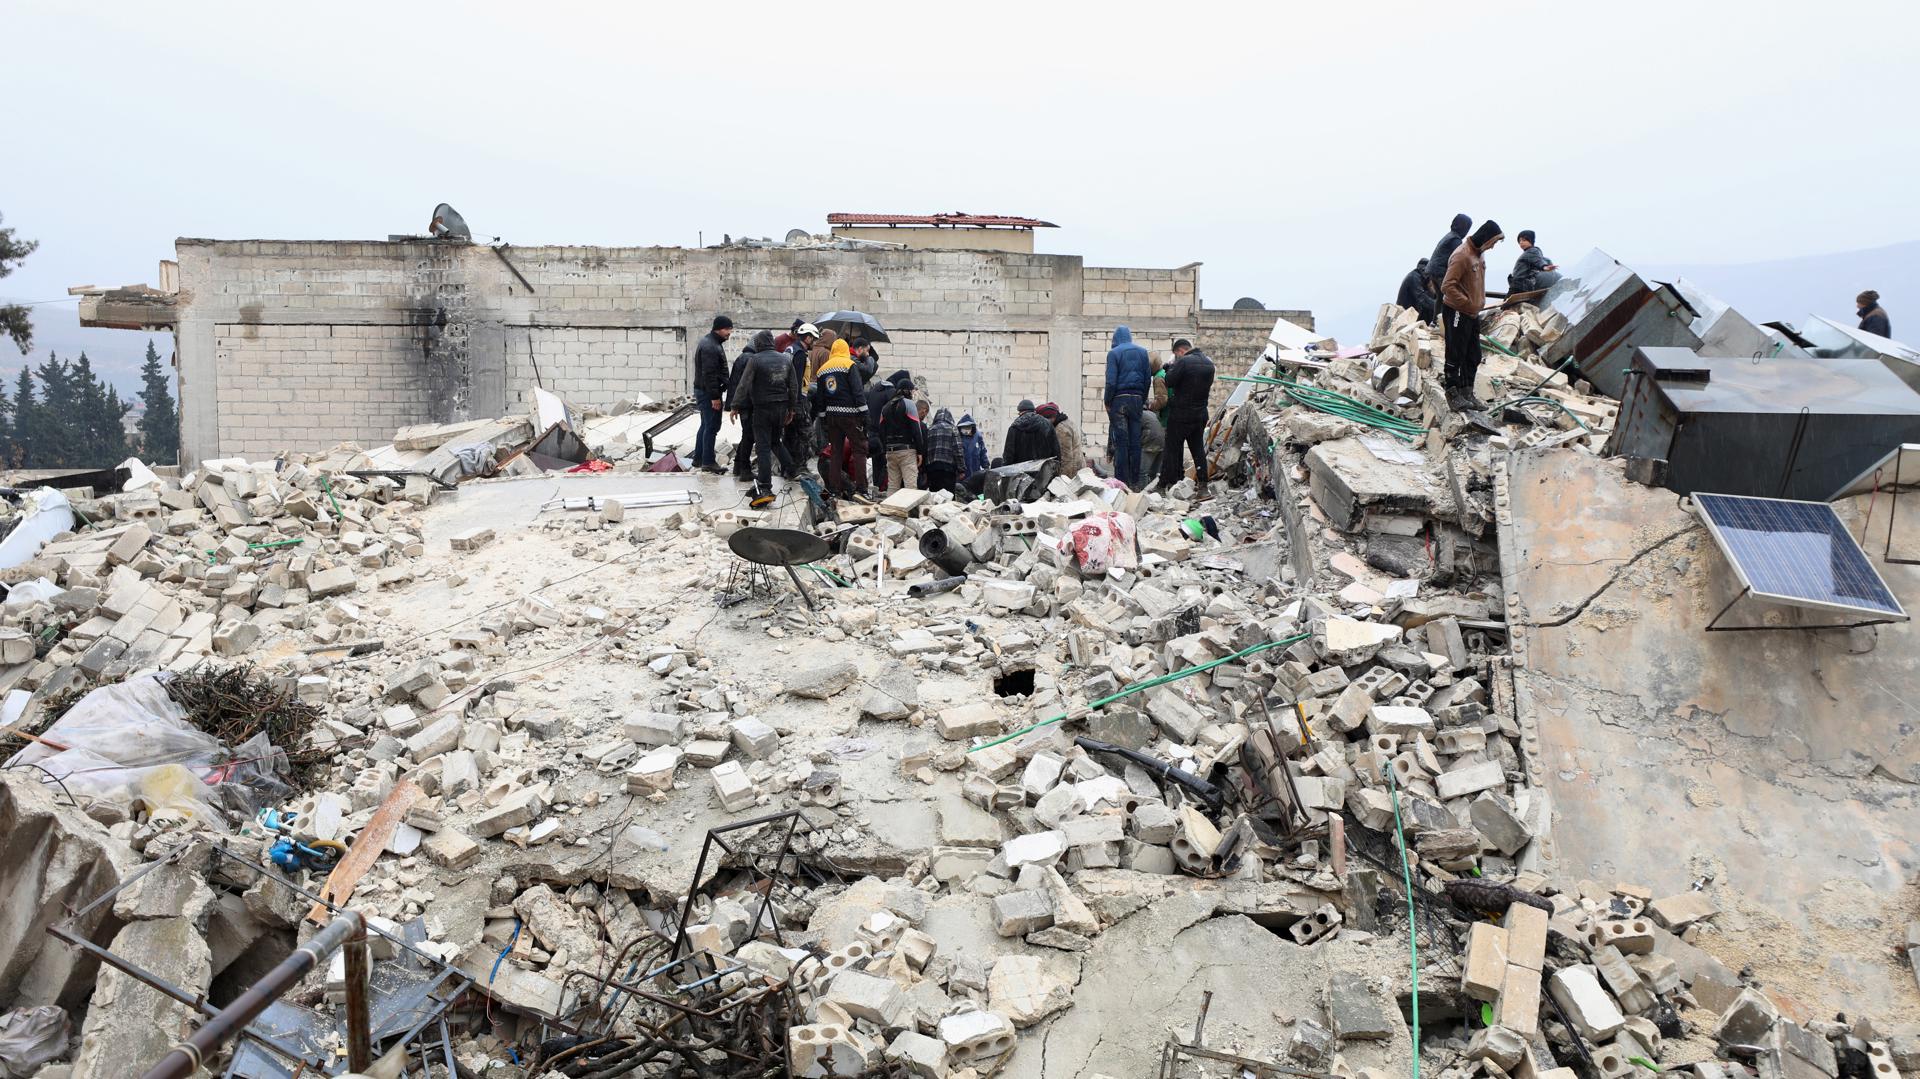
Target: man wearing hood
(1873, 317)
(973, 448)
(945, 455)
(1072, 457)
(1443, 251)
(774, 395)
(1129, 370)
(902, 435)
(878, 394)
(1416, 291)
(1464, 292)
(1189, 383)
(709, 390)
(739, 405)
(840, 397)
(1030, 437)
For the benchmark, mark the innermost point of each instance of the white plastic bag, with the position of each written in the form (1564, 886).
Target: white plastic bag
(1101, 542)
(131, 745)
(44, 514)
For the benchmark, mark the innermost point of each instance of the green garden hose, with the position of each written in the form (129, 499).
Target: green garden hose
(1413, 925)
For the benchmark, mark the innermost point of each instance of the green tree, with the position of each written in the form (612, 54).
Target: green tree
(13, 317)
(56, 415)
(26, 420)
(160, 423)
(99, 423)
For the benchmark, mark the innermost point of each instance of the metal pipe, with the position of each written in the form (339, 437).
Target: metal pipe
(190, 1055)
(359, 1019)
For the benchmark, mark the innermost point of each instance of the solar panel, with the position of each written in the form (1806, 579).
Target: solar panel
(1796, 553)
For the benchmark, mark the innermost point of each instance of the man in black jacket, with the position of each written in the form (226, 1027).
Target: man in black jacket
(1442, 251)
(709, 390)
(1416, 291)
(774, 394)
(739, 405)
(878, 394)
(1030, 437)
(1873, 317)
(1189, 381)
(799, 434)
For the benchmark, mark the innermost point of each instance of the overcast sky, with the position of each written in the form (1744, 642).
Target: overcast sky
(1306, 153)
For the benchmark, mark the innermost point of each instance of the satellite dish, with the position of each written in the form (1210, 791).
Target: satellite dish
(448, 224)
(1248, 303)
(794, 236)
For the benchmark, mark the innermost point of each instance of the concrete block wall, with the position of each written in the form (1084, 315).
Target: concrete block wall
(283, 386)
(348, 331)
(596, 367)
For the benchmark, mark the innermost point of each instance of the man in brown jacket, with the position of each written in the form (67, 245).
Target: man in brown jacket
(1464, 292)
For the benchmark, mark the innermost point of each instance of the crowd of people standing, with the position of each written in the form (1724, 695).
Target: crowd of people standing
(810, 395)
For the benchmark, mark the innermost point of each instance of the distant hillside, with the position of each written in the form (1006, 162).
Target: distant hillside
(1792, 288)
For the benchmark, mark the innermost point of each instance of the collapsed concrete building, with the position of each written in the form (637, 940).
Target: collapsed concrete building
(302, 344)
(1412, 741)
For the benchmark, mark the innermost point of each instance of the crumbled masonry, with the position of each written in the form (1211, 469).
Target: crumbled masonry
(1021, 827)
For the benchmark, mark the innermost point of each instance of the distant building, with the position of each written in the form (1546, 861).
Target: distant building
(942, 232)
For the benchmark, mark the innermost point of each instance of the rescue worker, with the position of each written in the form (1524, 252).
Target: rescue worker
(840, 397)
(775, 396)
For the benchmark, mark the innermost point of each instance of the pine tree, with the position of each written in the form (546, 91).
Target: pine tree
(55, 436)
(160, 424)
(26, 420)
(13, 317)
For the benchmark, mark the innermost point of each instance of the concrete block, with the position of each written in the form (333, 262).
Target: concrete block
(1518, 1008)
(1526, 927)
(823, 1049)
(1677, 912)
(656, 728)
(1400, 721)
(471, 539)
(972, 720)
(332, 582)
(730, 783)
(921, 1056)
(754, 738)
(1026, 990)
(450, 850)
(1633, 936)
(1355, 1011)
(1472, 779)
(1015, 914)
(866, 996)
(976, 1036)
(1593, 1013)
(1037, 848)
(1486, 966)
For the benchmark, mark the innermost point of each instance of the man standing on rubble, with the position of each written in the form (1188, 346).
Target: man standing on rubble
(1416, 291)
(800, 439)
(1031, 438)
(1189, 382)
(774, 395)
(709, 390)
(1443, 251)
(902, 436)
(1129, 370)
(1464, 292)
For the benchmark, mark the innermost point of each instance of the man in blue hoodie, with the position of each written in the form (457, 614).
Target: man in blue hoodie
(1129, 371)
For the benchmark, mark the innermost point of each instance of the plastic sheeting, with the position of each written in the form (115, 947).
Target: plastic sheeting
(30, 1037)
(44, 514)
(130, 745)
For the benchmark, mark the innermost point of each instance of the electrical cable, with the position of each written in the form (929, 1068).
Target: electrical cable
(1413, 920)
(1141, 687)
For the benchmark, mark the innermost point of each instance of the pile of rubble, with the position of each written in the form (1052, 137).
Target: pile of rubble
(1280, 701)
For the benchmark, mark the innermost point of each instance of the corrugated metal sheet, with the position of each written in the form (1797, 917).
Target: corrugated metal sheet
(978, 220)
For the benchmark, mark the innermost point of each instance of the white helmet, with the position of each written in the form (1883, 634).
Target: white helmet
(807, 329)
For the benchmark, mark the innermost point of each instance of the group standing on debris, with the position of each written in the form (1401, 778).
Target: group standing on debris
(812, 395)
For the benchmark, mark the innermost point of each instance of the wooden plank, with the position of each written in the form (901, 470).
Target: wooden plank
(367, 847)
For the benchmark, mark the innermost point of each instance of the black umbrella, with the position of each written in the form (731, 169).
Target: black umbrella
(853, 325)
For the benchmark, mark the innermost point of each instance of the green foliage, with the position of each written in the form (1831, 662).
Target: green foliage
(160, 423)
(13, 317)
(72, 419)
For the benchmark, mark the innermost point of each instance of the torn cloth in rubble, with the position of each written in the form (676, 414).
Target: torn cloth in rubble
(1102, 542)
(470, 460)
(131, 745)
